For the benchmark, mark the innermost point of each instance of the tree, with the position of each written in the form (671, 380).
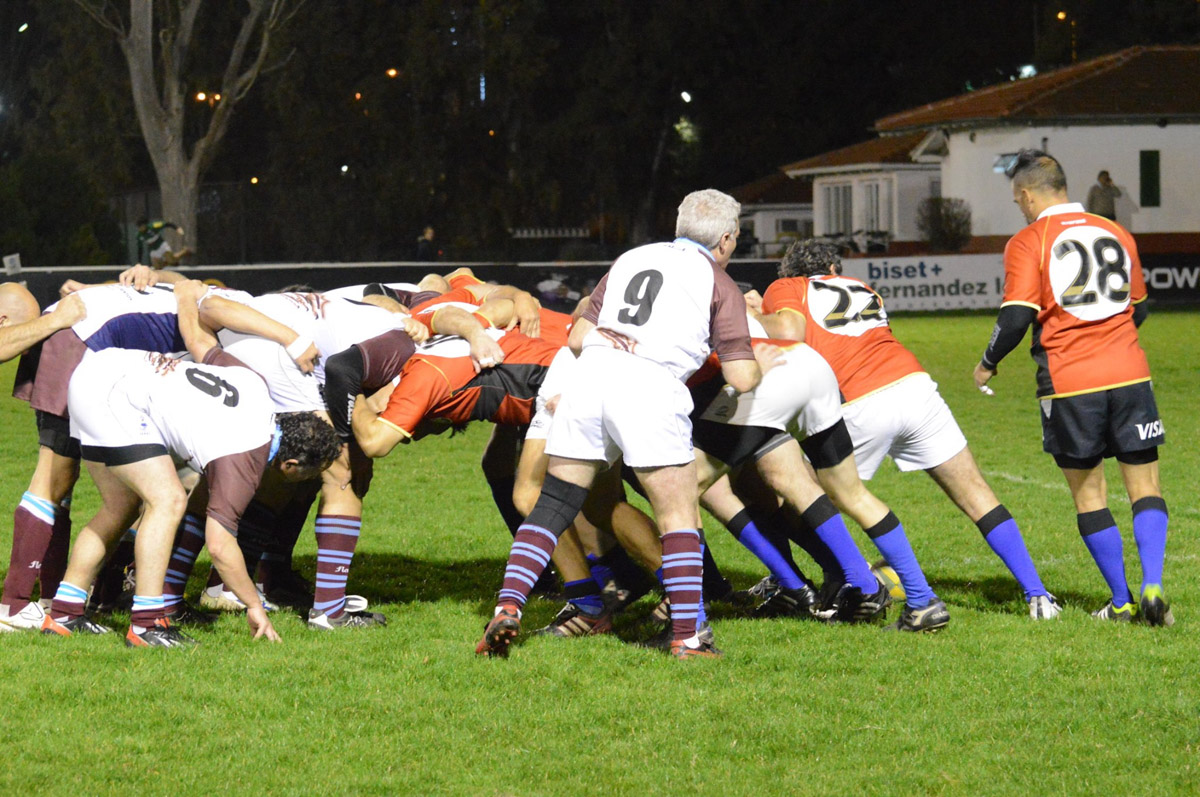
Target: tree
(945, 223)
(162, 67)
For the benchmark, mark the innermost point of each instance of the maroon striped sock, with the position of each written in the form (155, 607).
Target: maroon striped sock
(31, 536)
(189, 539)
(683, 577)
(54, 563)
(337, 537)
(529, 556)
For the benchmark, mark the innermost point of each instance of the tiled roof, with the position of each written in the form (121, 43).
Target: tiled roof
(775, 189)
(1138, 83)
(884, 149)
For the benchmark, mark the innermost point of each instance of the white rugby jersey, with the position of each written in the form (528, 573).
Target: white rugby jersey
(334, 325)
(120, 317)
(355, 292)
(203, 412)
(672, 304)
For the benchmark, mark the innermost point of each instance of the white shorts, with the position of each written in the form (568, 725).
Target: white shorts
(558, 376)
(908, 421)
(621, 404)
(102, 415)
(800, 396)
(291, 389)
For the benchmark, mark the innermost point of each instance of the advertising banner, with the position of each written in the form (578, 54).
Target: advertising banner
(932, 282)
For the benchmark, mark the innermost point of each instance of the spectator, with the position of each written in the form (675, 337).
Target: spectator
(427, 250)
(1102, 197)
(153, 249)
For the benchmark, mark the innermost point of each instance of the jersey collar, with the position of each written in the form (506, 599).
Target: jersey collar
(704, 250)
(1066, 207)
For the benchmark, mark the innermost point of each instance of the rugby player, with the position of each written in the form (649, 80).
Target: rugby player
(214, 414)
(892, 408)
(1077, 279)
(667, 306)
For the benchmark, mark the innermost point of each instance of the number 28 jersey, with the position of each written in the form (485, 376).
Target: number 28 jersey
(846, 323)
(672, 304)
(1082, 274)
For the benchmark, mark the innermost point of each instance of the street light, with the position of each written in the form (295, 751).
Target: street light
(24, 27)
(393, 72)
(201, 96)
(685, 96)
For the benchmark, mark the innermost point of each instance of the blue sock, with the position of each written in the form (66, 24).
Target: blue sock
(745, 532)
(1000, 532)
(1150, 532)
(824, 520)
(585, 594)
(601, 573)
(1103, 541)
(889, 537)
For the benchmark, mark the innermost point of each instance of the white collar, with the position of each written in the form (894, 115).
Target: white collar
(1066, 207)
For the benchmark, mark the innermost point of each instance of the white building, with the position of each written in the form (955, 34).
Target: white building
(1134, 113)
(776, 210)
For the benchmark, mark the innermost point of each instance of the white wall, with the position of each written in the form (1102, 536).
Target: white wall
(908, 186)
(766, 218)
(1083, 151)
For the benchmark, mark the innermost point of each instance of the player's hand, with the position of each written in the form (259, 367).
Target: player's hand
(69, 311)
(754, 301)
(307, 360)
(982, 376)
(768, 356)
(416, 330)
(527, 314)
(139, 277)
(190, 291)
(485, 352)
(69, 287)
(260, 625)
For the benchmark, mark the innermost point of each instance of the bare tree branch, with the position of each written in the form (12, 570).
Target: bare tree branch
(106, 15)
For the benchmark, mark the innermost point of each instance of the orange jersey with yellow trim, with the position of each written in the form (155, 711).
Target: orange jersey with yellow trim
(1082, 274)
(846, 323)
(555, 326)
(439, 381)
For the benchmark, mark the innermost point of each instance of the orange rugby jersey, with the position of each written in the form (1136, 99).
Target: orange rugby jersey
(440, 382)
(846, 323)
(1082, 274)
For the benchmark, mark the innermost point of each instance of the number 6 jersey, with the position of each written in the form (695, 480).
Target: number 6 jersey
(846, 323)
(1081, 273)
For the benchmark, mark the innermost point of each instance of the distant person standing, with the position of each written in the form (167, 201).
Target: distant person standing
(427, 251)
(1102, 197)
(153, 249)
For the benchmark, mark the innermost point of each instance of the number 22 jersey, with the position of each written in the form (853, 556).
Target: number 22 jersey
(846, 323)
(1081, 273)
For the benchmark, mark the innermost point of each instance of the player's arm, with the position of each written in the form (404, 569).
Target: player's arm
(375, 437)
(527, 311)
(220, 313)
(198, 339)
(729, 337)
(232, 481)
(783, 324)
(1022, 287)
(779, 311)
(16, 339)
(485, 352)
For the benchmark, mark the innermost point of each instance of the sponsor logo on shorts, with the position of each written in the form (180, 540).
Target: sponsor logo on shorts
(1147, 431)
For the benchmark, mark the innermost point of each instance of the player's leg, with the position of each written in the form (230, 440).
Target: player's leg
(960, 479)
(1089, 490)
(119, 507)
(1149, 531)
(502, 451)
(154, 480)
(41, 524)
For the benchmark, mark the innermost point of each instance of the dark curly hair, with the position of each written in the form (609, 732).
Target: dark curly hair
(1036, 170)
(308, 439)
(810, 258)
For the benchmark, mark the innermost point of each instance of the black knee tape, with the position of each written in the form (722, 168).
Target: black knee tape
(818, 512)
(889, 523)
(1150, 502)
(993, 519)
(737, 524)
(1143, 457)
(557, 506)
(828, 447)
(1092, 522)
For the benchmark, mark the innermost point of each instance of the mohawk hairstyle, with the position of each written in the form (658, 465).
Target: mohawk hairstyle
(810, 258)
(307, 439)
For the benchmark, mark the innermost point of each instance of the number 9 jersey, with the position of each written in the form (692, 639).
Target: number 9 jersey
(1081, 273)
(846, 323)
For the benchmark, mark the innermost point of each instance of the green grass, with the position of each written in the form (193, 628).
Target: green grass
(993, 705)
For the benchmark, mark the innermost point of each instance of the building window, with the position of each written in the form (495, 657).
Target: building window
(787, 226)
(839, 207)
(877, 206)
(1150, 178)
(935, 187)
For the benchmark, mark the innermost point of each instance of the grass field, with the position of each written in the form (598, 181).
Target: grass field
(993, 705)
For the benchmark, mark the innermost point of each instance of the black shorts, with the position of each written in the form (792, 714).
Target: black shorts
(733, 444)
(54, 432)
(1081, 430)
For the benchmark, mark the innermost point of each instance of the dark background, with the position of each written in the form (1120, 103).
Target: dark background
(581, 123)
